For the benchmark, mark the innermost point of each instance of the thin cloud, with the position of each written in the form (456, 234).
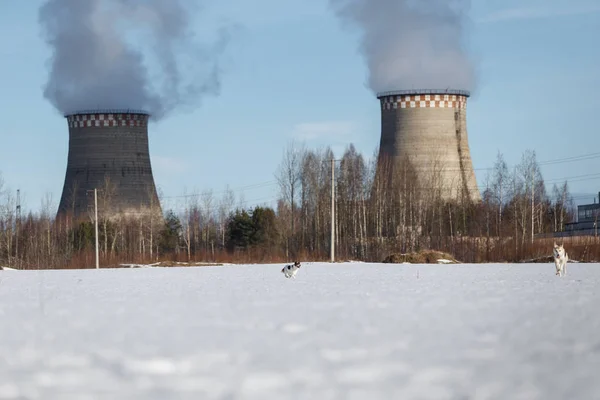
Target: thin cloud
(329, 130)
(529, 13)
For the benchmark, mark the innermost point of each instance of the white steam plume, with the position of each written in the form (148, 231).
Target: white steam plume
(127, 54)
(411, 44)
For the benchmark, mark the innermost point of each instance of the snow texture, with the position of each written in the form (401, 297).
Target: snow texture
(343, 331)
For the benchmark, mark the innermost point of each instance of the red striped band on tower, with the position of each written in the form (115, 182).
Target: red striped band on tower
(107, 120)
(423, 101)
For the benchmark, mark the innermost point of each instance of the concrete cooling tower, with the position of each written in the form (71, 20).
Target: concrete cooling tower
(429, 129)
(108, 150)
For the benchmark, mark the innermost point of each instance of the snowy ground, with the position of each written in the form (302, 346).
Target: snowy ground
(350, 331)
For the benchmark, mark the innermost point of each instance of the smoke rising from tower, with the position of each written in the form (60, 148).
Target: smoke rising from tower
(411, 44)
(124, 54)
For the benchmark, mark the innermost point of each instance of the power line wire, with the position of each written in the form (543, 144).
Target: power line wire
(239, 189)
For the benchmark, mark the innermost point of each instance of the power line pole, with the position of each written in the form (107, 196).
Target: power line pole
(515, 209)
(17, 226)
(532, 201)
(96, 226)
(332, 210)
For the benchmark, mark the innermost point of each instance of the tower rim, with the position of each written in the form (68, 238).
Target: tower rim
(108, 111)
(458, 92)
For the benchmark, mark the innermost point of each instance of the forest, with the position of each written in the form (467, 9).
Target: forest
(378, 212)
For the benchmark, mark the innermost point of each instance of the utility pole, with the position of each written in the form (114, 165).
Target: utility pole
(515, 208)
(96, 226)
(332, 210)
(532, 201)
(17, 226)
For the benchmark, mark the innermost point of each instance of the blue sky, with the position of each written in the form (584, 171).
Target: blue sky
(292, 72)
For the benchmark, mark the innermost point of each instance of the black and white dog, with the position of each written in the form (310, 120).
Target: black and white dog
(560, 259)
(290, 270)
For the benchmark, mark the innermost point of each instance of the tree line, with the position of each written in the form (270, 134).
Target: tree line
(385, 206)
(379, 210)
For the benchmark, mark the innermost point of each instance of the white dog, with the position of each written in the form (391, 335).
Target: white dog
(560, 259)
(290, 270)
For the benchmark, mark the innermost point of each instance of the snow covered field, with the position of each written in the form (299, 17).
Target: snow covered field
(346, 331)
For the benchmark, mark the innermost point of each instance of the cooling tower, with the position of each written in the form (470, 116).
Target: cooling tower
(429, 129)
(108, 151)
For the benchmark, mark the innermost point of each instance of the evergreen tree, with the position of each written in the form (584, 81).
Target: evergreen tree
(84, 236)
(239, 230)
(170, 234)
(264, 223)
(252, 229)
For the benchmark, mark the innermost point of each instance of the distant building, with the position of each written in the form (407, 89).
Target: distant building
(588, 217)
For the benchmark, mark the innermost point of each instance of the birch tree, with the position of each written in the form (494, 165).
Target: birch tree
(289, 179)
(500, 187)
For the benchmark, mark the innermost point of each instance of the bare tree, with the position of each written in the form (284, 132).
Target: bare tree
(47, 206)
(310, 196)
(487, 201)
(500, 186)
(351, 198)
(70, 214)
(150, 222)
(289, 179)
(187, 222)
(6, 224)
(562, 198)
(225, 208)
(207, 212)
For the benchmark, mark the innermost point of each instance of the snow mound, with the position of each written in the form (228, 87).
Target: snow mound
(139, 265)
(421, 257)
